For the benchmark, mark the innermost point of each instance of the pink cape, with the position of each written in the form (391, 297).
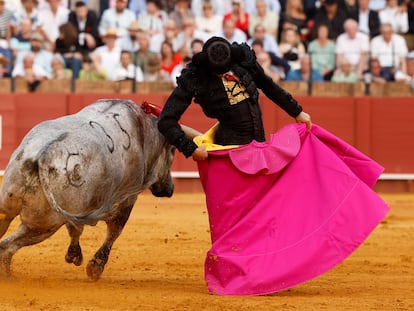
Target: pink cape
(285, 211)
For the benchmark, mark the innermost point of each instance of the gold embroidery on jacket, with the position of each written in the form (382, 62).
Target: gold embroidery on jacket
(236, 91)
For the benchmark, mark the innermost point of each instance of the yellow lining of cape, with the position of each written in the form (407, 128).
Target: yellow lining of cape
(207, 140)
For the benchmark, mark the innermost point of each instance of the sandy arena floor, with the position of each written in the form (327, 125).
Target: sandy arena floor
(157, 264)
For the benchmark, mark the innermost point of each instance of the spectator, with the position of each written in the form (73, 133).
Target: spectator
(153, 72)
(129, 42)
(167, 5)
(152, 20)
(92, 69)
(50, 19)
(265, 17)
(196, 46)
(377, 5)
(21, 41)
(220, 7)
(42, 57)
(59, 72)
(239, 16)
(276, 74)
(269, 41)
(169, 34)
(176, 72)
(345, 72)
(322, 52)
(258, 47)
(86, 23)
(5, 57)
(390, 49)
(143, 54)
(169, 58)
(30, 72)
(5, 18)
(109, 53)
(126, 70)
(330, 14)
(271, 6)
(209, 21)
(231, 33)
(119, 18)
(353, 46)
(368, 20)
(392, 14)
(67, 45)
(137, 6)
(28, 10)
(291, 47)
(375, 73)
(295, 18)
(181, 12)
(185, 37)
(305, 72)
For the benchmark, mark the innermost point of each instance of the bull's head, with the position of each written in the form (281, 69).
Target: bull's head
(164, 187)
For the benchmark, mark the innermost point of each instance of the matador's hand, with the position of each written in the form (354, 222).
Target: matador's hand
(303, 117)
(200, 154)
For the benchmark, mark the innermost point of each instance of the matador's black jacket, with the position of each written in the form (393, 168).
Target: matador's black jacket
(240, 122)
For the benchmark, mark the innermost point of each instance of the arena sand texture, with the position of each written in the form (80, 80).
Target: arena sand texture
(157, 264)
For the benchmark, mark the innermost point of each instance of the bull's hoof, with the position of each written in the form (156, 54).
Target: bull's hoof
(94, 269)
(74, 255)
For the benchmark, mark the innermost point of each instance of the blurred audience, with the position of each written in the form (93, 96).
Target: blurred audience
(31, 72)
(181, 11)
(109, 53)
(209, 21)
(394, 15)
(126, 70)
(119, 18)
(322, 52)
(231, 33)
(390, 49)
(5, 18)
(239, 16)
(50, 19)
(59, 71)
(21, 41)
(68, 46)
(152, 20)
(265, 17)
(92, 69)
(330, 14)
(345, 73)
(353, 46)
(368, 20)
(86, 24)
(291, 47)
(305, 72)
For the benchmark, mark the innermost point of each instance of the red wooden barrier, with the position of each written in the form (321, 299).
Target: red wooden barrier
(383, 128)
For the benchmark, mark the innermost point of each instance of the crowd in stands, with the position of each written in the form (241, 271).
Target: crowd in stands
(153, 40)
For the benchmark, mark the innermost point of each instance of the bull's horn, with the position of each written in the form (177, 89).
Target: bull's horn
(190, 132)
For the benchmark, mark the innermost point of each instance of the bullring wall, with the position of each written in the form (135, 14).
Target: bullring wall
(381, 127)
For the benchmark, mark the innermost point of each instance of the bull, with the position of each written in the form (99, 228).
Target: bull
(80, 169)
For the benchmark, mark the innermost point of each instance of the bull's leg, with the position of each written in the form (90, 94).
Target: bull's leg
(74, 253)
(115, 225)
(24, 236)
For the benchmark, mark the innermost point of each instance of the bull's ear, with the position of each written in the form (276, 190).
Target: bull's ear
(190, 132)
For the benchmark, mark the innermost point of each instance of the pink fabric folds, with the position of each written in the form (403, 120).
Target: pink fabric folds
(278, 221)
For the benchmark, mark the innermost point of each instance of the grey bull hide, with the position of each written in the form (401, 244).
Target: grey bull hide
(80, 169)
